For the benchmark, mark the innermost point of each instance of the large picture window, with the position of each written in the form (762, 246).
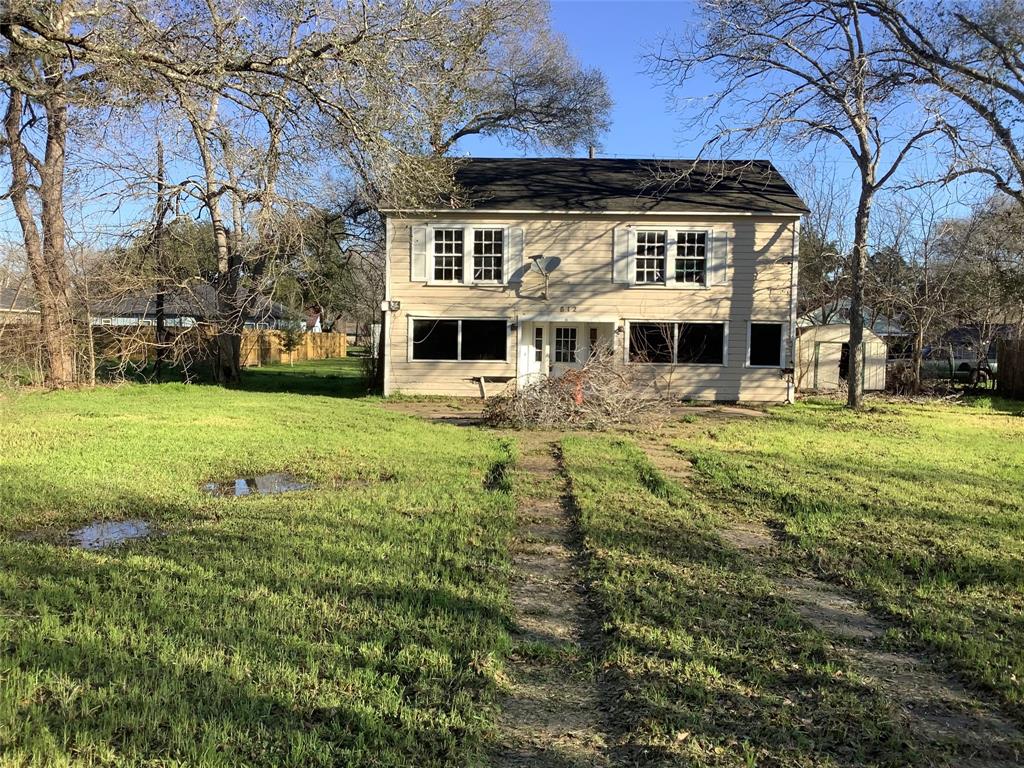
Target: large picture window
(766, 345)
(683, 343)
(448, 253)
(459, 339)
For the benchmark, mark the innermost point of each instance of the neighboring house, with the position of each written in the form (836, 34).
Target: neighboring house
(17, 304)
(693, 282)
(185, 308)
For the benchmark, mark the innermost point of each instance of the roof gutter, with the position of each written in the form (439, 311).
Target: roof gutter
(501, 211)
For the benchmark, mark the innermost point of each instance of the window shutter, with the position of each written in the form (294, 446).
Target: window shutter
(514, 271)
(418, 254)
(718, 256)
(623, 255)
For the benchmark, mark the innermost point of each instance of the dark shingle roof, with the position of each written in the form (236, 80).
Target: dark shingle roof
(17, 298)
(642, 186)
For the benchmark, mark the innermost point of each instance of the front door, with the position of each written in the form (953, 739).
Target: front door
(533, 353)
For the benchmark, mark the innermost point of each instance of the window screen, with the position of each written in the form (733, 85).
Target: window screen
(766, 344)
(484, 339)
(701, 343)
(435, 339)
(650, 342)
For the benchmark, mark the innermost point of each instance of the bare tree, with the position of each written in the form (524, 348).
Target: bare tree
(970, 54)
(805, 74)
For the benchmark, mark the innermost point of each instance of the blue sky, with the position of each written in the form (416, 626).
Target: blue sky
(612, 35)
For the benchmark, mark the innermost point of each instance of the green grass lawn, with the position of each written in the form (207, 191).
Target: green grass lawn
(363, 622)
(920, 507)
(706, 664)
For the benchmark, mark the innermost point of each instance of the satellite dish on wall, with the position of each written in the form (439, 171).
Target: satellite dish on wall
(545, 264)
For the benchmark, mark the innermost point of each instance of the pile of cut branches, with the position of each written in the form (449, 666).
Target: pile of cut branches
(599, 394)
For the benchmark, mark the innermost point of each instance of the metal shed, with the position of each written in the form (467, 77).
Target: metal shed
(823, 358)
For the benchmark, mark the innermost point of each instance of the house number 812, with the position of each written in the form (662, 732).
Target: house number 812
(567, 308)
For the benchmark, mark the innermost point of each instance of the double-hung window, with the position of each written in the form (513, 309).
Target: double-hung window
(671, 257)
(679, 343)
(448, 255)
(691, 257)
(459, 339)
(488, 255)
(650, 256)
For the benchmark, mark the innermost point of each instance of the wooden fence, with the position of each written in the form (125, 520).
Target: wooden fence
(264, 347)
(1010, 370)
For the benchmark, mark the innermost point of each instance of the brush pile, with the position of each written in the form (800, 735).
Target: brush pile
(601, 393)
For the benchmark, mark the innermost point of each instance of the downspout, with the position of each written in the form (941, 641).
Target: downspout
(385, 336)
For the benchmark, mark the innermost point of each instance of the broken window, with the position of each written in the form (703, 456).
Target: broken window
(651, 342)
(435, 339)
(766, 344)
(484, 340)
(459, 339)
(702, 343)
(695, 343)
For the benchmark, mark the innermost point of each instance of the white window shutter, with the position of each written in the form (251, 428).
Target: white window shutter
(718, 257)
(513, 272)
(623, 255)
(418, 254)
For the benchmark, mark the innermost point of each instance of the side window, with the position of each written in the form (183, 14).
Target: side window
(448, 253)
(488, 254)
(691, 257)
(766, 345)
(650, 257)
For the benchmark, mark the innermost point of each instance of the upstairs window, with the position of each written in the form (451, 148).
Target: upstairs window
(650, 257)
(680, 343)
(459, 339)
(488, 255)
(765, 345)
(691, 257)
(448, 253)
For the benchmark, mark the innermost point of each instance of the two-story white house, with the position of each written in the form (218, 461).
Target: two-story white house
(692, 281)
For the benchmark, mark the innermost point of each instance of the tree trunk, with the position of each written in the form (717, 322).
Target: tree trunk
(918, 360)
(45, 253)
(854, 381)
